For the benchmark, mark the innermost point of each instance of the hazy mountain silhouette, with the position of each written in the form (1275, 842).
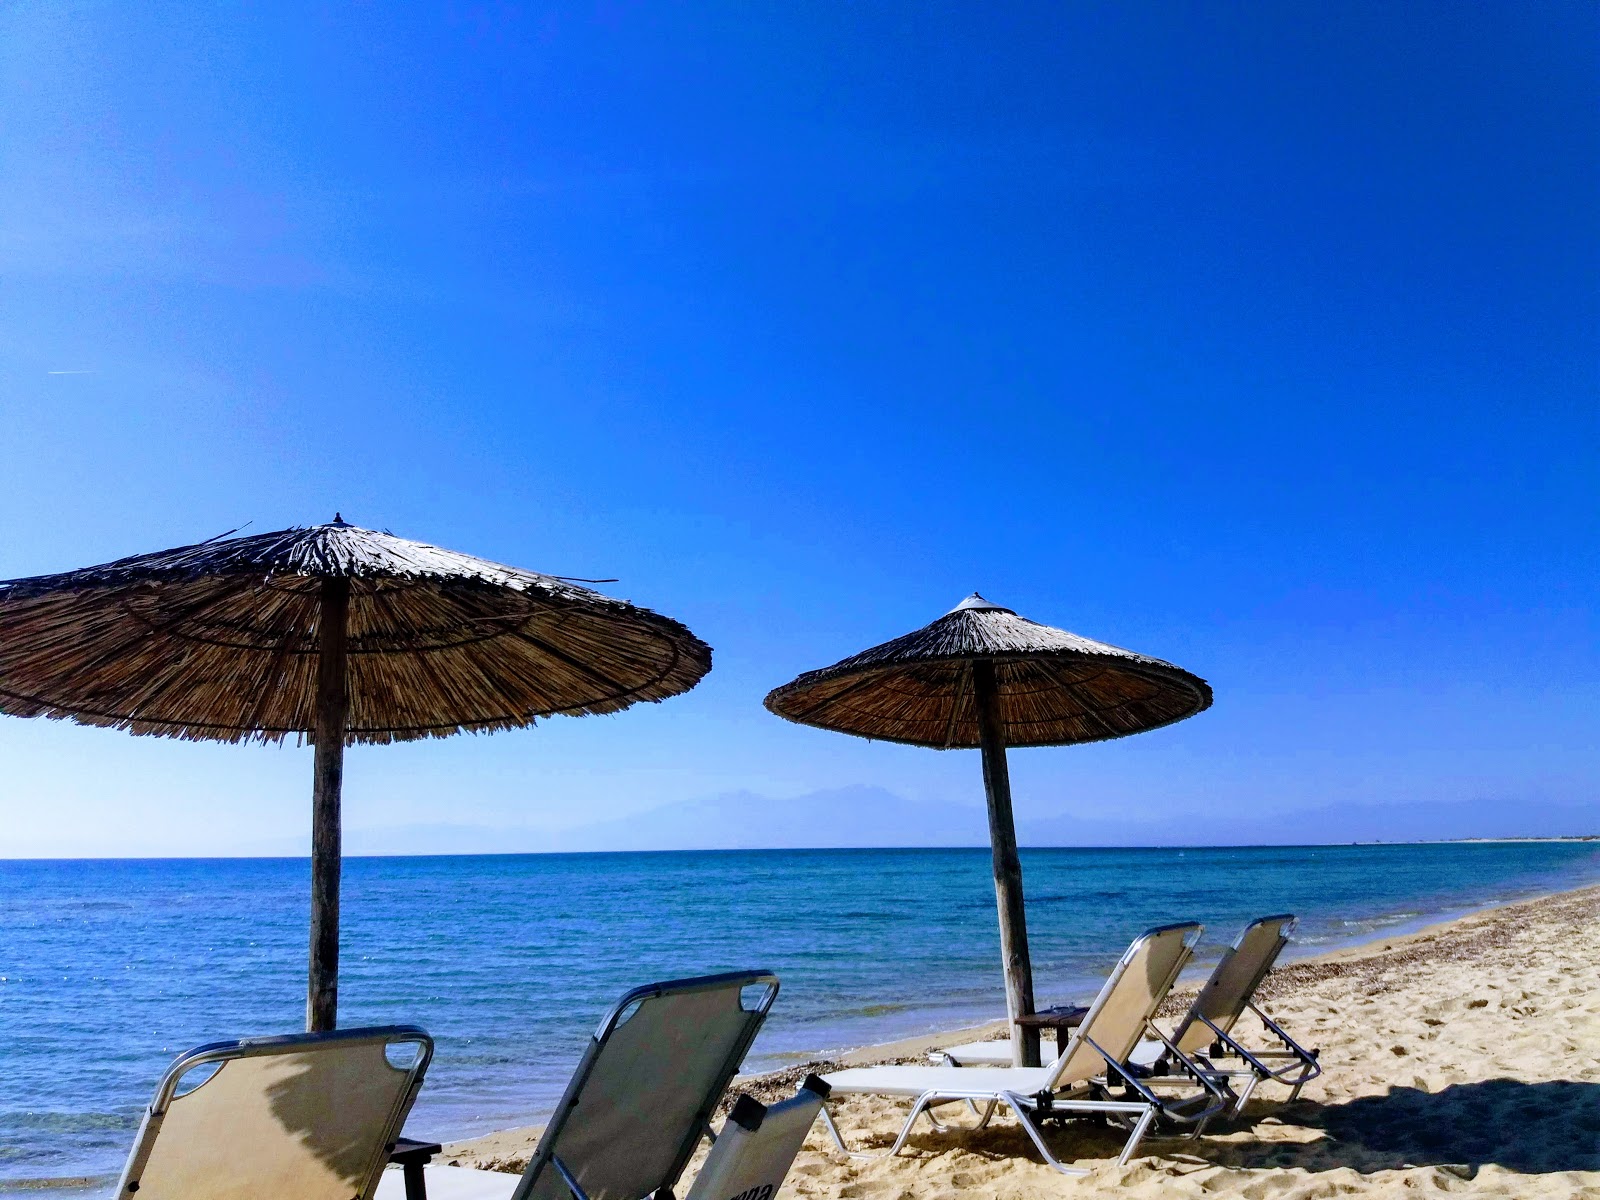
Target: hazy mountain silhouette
(873, 816)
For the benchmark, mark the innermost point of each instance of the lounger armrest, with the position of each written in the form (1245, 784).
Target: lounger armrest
(1309, 1057)
(406, 1151)
(411, 1156)
(1213, 1098)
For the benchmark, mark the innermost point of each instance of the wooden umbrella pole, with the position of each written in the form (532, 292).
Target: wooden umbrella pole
(1007, 866)
(333, 702)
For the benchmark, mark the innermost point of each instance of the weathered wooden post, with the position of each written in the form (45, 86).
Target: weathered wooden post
(1007, 866)
(333, 700)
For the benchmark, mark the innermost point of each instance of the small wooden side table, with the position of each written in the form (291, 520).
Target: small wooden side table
(1060, 1020)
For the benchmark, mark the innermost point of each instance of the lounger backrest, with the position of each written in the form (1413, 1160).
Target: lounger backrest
(1132, 992)
(1234, 980)
(757, 1145)
(646, 1087)
(311, 1116)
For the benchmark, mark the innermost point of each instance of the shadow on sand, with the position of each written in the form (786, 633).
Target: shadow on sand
(1535, 1128)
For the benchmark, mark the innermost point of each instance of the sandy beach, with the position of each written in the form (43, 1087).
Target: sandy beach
(1463, 1059)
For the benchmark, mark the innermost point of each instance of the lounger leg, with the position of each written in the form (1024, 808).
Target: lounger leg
(917, 1110)
(972, 1105)
(1016, 1104)
(983, 1117)
(833, 1130)
(1244, 1094)
(1136, 1136)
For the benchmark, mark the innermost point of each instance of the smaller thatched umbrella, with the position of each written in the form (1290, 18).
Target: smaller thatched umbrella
(333, 633)
(981, 676)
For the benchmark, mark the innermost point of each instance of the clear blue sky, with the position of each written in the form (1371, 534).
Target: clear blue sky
(1257, 337)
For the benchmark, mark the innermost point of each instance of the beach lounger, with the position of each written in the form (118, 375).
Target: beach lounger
(305, 1117)
(752, 1155)
(749, 1160)
(645, 1090)
(1207, 1032)
(1082, 1079)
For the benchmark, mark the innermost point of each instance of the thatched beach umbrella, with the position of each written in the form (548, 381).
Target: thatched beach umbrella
(981, 676)
(334, 634)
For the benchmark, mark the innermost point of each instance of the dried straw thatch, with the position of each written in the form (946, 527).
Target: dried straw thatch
(1054, 688)
(219, 641)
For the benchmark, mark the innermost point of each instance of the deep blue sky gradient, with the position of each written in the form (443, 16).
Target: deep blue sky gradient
(1258, 337)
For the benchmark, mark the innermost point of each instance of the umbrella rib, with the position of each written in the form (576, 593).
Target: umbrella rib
(471, 723)
(585, 669)
(803, 713)
(170, 626)
(166, 723)
(381, 596)
(399, 648)
(508, 625)
(280, 656)
(425, 663)
(1091, 715)
(268, 691)
(151, 630)
(126, 718)
(963, 681)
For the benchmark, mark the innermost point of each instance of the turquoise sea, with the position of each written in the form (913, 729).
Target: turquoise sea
(110, 968)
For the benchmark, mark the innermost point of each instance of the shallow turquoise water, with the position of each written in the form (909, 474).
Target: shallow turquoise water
(108, 969)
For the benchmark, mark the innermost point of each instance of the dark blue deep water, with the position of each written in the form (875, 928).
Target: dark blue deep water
(110, 968)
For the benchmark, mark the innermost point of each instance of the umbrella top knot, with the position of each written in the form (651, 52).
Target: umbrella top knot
(976, 603)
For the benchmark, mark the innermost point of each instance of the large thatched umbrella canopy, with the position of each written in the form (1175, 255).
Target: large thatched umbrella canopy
(334, 634)
(981, 676)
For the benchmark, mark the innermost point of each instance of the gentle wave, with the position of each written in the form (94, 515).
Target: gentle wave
(65, 1183)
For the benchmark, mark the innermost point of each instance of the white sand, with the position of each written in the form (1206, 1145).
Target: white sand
(1461, 1060)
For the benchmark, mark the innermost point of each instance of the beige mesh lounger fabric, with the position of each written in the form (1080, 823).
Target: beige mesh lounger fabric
(307, 1117)
(1081, 1079)
(1206, 1033)
(757, 1145)
(644, 1092)
(749, 1161)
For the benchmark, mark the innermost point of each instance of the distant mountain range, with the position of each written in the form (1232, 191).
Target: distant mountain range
(873, 816)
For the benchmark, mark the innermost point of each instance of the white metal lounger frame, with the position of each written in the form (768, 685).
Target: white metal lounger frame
(1302, 1065)
(1141, 1104)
